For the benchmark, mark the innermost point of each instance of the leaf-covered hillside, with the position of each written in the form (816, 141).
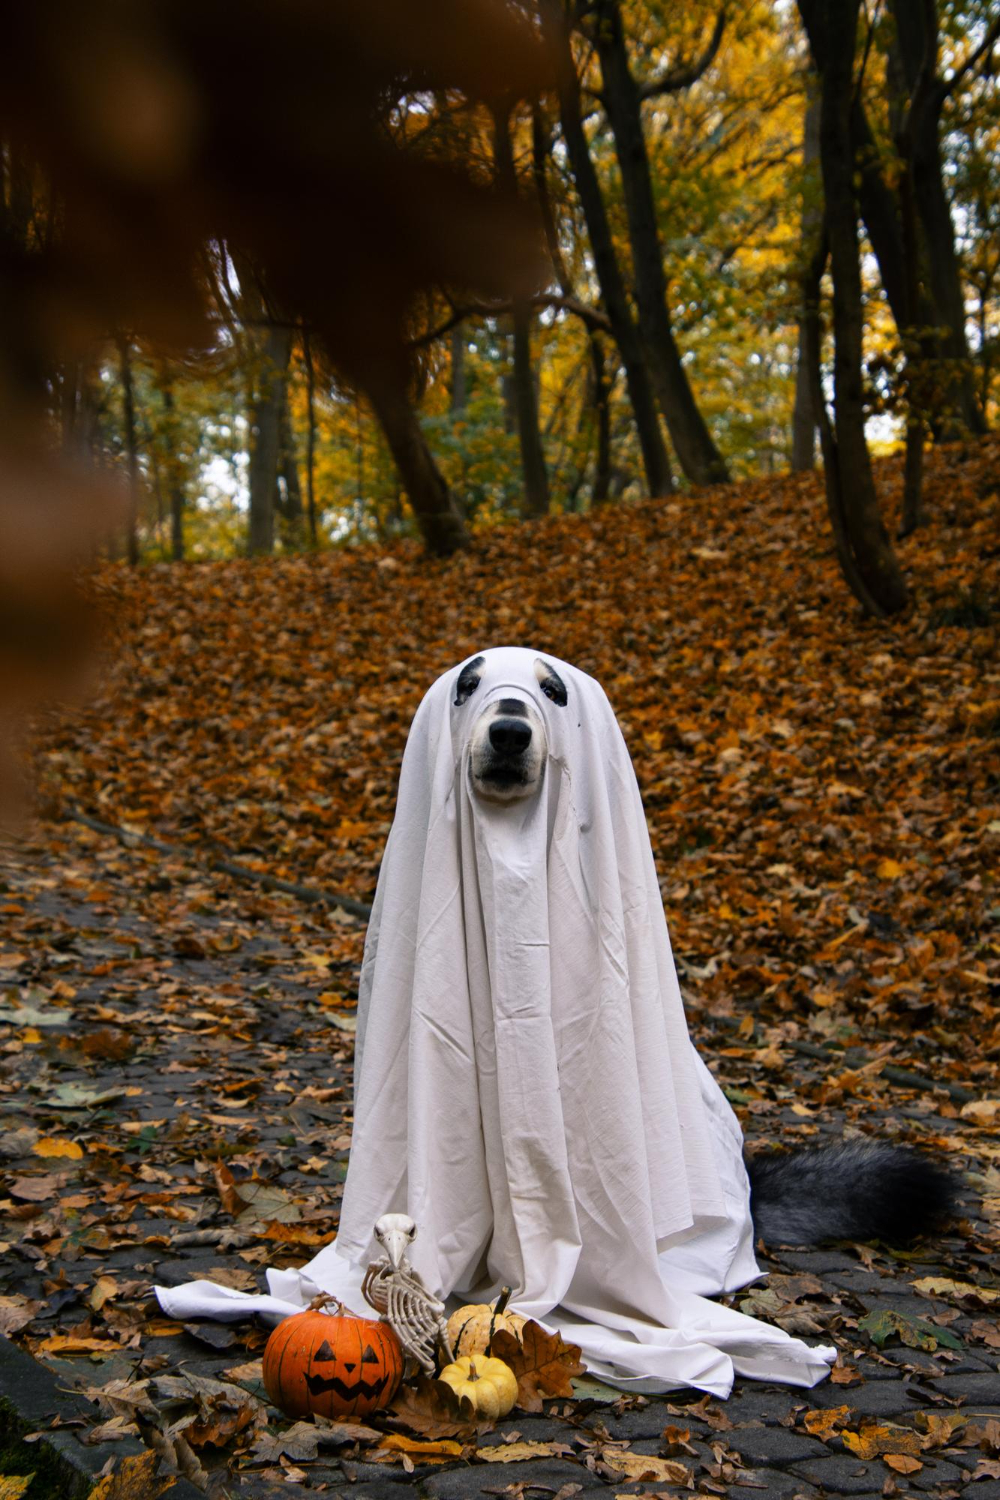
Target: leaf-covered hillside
(823, 790)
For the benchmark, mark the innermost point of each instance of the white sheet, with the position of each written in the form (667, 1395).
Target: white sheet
(525, 1086)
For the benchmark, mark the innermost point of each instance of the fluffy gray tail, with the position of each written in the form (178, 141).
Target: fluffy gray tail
(859, 1190)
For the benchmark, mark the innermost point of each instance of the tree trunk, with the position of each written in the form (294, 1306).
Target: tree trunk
(533, 471)
(917, 35)
(310, 436)
(804, 412)
(699, 457)
(602, 407)
(850, 484)
(265, 436)
(131, 449)
(659, 479)
(174, 477)
(457, 394)
(288, 472)
(437, 515)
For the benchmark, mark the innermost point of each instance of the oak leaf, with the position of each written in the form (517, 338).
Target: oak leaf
(542, 1363)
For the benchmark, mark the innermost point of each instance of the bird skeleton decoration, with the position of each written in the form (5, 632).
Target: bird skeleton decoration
(396, 1291)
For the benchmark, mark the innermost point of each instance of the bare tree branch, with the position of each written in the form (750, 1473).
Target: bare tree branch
(683, 75)
(591, 317)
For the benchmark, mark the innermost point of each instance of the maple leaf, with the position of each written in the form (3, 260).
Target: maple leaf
(543, 1364)
(430, 1407)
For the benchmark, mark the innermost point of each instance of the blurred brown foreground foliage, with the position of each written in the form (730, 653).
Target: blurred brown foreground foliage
(150, 131)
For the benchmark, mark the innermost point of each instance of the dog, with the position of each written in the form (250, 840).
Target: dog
(852, 1190)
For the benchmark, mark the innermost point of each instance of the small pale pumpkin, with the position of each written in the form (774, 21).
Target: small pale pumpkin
(471, 1328)
(330, 1364)
(487, 1383)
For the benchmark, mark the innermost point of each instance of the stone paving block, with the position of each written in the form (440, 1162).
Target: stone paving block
(881, 1398)
(763, 1484)
(983, 1386)
(843, 1474)
(773, 1445)
(475, 1479)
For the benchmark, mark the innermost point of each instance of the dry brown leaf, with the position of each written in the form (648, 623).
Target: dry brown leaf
(431, 1408)
(941, 1428)
(644, 1467)
(228, 1191)
(543, 1364)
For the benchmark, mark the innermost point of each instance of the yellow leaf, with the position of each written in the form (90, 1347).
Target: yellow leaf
(824, 1423)
(944, 1286)
(902, 1463)
(872, 1441)
(31, 1036)
(50, 1145)
(13, 1486)
(104, 1288)
(70, 1343)
(434, 1451)
(512, 1453)
(888, 869)
(134, 1479)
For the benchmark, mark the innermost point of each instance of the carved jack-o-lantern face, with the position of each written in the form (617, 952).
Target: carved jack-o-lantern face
(332, 1365)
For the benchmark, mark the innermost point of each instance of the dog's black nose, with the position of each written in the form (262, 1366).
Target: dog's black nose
(510, 736)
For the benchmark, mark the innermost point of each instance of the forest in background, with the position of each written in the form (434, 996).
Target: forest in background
(682, 321)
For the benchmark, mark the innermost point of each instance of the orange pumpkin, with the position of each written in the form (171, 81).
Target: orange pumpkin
(331, 1363)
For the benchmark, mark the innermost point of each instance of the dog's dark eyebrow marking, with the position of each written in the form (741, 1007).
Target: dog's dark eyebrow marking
(514, 707)
(550, 682)
(468, 680)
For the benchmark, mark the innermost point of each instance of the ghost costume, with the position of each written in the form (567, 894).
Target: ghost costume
(525, 1086)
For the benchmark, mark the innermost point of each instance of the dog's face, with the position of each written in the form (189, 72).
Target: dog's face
(508, 743)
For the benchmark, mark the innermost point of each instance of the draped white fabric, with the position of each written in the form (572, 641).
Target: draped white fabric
(525, 1086)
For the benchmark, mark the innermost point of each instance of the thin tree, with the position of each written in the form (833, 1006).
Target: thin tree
(525, 401)
(863, 547)
(804, 416)
(131, 447)
(622, 98)
(556, 28)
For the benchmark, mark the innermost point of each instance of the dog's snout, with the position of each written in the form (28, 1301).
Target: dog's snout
(510, 736)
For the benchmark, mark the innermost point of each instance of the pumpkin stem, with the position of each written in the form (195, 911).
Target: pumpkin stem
(321, 1303)
(472, 1371)
(498, 1308)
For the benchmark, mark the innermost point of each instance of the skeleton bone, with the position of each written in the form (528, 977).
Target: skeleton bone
(396, 1291)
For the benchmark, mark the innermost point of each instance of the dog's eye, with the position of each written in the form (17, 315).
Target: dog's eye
(468, 681)
(550, 683)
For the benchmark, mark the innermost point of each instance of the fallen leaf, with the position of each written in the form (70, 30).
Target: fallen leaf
(13, 1486)
(825, 1423)
(543, 1364)
(424, 1451)
(879, 1438)
(429, 1407)
(643, 1467)
(902, 1463)
(133, 1478)
(48, 1145)
(513, 1453)
(944, 1286)
(916, 1333)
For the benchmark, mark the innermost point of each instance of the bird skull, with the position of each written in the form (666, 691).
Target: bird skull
(394, 1233)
